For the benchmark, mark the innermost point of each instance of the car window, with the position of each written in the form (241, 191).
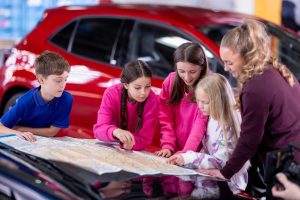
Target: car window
(62, 37)
(285, 46)
(156, 45)
(215, 32)
(120, 54)
(95, 38)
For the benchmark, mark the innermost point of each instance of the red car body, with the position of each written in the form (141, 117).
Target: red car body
(89, 76)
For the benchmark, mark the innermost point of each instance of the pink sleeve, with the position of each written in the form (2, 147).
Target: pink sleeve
(166, 117)
(143, 137)
(197, 133)
(106, 121)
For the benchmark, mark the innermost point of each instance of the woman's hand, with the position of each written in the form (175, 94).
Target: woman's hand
(125, 137)
(291, 191)
(164, 153)
(176, 159)
(212, 172)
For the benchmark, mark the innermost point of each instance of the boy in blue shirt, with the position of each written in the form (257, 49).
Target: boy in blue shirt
(43, 110)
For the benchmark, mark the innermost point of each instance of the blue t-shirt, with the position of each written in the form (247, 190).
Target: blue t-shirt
(32, 111)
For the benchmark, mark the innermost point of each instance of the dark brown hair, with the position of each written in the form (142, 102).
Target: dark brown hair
(50, 63)
(132, 71)
(191, 53)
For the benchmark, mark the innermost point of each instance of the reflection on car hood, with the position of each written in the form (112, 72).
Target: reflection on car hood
(42, 178)
(48, 179)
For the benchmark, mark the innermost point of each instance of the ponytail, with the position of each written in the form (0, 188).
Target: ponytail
(284, 72)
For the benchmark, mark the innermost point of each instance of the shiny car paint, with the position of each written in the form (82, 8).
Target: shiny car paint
(90, 77)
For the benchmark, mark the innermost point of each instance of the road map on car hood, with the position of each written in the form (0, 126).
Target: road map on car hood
(94, 155)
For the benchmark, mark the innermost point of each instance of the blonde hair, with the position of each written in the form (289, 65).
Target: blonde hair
(222, 102)
(252, 42)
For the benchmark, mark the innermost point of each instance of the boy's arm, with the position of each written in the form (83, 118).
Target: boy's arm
(4, 130)
(11, 118)
(26, 135)
(46, 132)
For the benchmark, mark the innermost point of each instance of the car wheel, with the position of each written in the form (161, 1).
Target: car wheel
(12, 101)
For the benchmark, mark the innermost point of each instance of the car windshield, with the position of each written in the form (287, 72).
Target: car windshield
(285, 46)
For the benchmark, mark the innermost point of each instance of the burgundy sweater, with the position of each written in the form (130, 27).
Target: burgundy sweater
(270, 111)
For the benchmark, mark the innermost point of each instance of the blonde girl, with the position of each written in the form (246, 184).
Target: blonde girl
(215, 98)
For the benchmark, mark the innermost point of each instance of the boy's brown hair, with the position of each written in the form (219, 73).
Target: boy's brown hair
(50, 63)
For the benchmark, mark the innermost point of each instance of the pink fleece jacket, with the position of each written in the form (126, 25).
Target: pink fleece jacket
(182, 125)
(109, 118)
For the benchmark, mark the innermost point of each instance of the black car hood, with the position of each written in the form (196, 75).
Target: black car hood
(21, 172)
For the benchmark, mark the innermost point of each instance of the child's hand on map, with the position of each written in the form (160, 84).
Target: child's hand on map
(176, 159)
(27, 136)
(127, 146)
(164, 153)
(125, 137)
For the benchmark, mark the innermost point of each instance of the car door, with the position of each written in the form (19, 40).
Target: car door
(91, 45)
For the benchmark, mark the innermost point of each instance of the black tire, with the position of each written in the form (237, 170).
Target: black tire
(12, 101)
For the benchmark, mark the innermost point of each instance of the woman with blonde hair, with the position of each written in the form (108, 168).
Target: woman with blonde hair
(215, 99)
(268, 96)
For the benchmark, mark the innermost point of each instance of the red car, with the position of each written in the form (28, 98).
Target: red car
(97, 41)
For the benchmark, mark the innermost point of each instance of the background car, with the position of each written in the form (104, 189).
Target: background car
(98, 40)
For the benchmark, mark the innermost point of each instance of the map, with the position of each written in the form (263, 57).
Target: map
(96, 156)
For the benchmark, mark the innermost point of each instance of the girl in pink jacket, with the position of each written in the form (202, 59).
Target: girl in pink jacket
(182, 123)
(129, 110)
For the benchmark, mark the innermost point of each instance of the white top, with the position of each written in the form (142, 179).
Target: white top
(215, 153)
